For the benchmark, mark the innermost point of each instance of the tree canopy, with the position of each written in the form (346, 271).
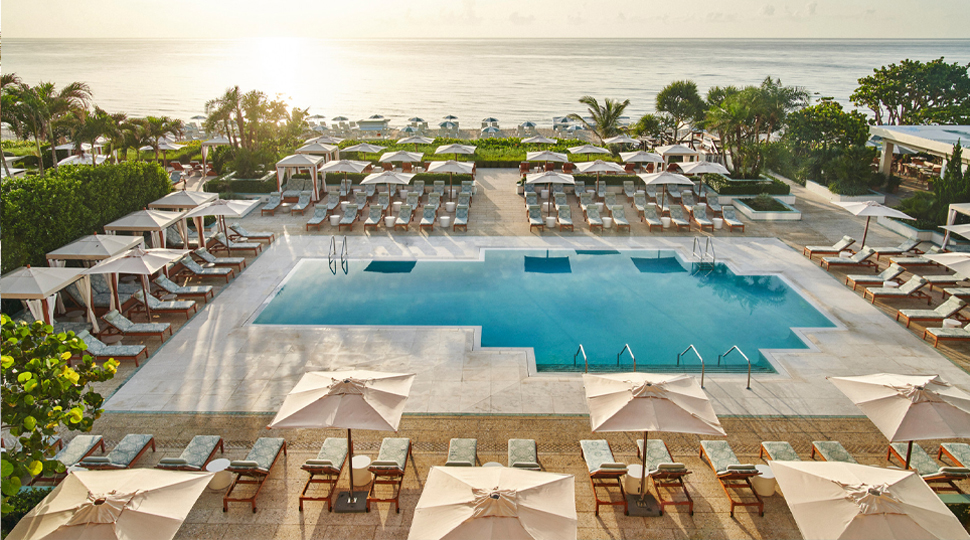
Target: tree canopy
(606, 117)
(683, 103)
(916, 93)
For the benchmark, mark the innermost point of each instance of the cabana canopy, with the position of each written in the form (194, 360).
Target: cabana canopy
(95, 247)
(960, 208)
(675, 150)
(215, 141)
(320, 149)
(37, 288)
(182, 200)
(297, 162)
(153, 221)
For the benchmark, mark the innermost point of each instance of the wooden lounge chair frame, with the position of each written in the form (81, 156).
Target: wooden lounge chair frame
(220, 446)
(204, 295)
(251, 477)
(915, 294)
(320, 474)
(865, 263)
(607, 479)
(114, 330)
(389, 477)
(736, 481)
(828, 250)
(944, 452)
(106, 466)
(669, 480)
(185, 271)
(940, 484)
(935, 318)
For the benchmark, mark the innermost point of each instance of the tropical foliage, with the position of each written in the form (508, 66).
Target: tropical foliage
(606, 117)
(931, 209)
(683, 104)
(915, 93)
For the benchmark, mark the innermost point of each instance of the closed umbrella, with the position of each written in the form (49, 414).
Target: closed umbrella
(357, 399)
(148, 504)
(588, 149)
(870, 209)
(222, 208)
(909, 407)
(598, 167)
(140, 262)
(495, 503)
(550, 177)
(665, 178)
(649, 402)
(451, 167)
(857, 502)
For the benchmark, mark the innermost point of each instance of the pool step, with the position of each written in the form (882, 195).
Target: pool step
(669, 368)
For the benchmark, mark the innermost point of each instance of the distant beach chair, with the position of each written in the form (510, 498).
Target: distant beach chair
(404, 217)
(731, 219)
(943, 280)
(374, 217)
(200, 291)
(831, 451)
(687, 201)
(859, 258)
(535, 218)
(461, 218)
(198, 454)
(909, 289)
(778, 451)
(699, 216)
(389, 469)
(349, 218)
(123, 455)
(254, 469)
(891, 272)
(462, 453)
(593, 218)
(940, 478)
(427, 219)
(523, 455)
(677, 217)
(731, 473)
(565, 218)
(946, 310)
(271, 206)
(119, 324)
(665, 473)
(604, 472)
(651, 218)
(319, 217)
(325, 469)
(841, 245)
(619, 217)
(100, 351)
(908, 246)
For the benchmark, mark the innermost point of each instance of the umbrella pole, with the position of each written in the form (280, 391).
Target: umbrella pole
(222, 223)
(866, 232)
(643, 467)
(144, 289)
(350, 450)
(909, 452)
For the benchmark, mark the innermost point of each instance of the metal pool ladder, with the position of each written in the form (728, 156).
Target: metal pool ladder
(692, 348)
(582, 351)
(748, 360)
(627, 348)
(704, 255)
(344, 255)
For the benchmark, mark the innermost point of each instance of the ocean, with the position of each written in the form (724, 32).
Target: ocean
(512, 80)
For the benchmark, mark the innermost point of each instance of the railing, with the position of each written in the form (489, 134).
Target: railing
(748, 360)
(344, 254)
(333, 248)
(585, 360)
(628, 349)
(692, 348)
(705, 255)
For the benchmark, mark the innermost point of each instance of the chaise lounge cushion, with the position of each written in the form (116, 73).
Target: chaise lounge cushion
(780, 451)
(462, 452)
(959, 451)
(123, 453)
(833, 451)
(723, 460)
(261, 457)
(599, 457)
(522, 454)
(77, 449)
(332, 455)
(195, 454)
(658, 458)
(393, 454)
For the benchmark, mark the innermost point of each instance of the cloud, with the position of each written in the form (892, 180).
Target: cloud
(811, 8)
(519, 19)
(768, 10)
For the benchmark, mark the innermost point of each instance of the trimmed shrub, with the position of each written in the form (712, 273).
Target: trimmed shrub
(23, 502)
(726, 186)
(43, 213)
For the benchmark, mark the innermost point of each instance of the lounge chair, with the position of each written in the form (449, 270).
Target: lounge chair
(254, 469)
(665, 473)
(70, 455)
(565, 218)
(439, 188)
(319, 217)
(404, 217)
(241, 232)
(468, 188)
(360, 199)
(699, 216)
(535, 218)
(619, 217)
(958, 453)
(601, 190)
(349, 218)
(223, 243)
(838, 247)
(604, 472)
(731, 219)
(271, 206)
(948, 334)
(557, 188)
(384, 201)
(831, 451)
(523, 455)
(198, 454)
(123, 455)
(434, 201)
(293, 189)
(891, 272)
(859, 258)
(325, 469)
(413, 199)
(418, 188)
(560, 200)
(462, 453)
(943, 280)
(640, 203)
(673, 192)
(651, 192)
(119, 324)
(185, 307)
(301, 204)
(778, 451)
(333, 198)
(946, 310)
(389, 469)
(963, 293)
(593, 218)
(909, 289)
(908, 246)
(528, 188)
(650, 217)
(628, 189)
(374, 218)
(687, 201)
(715, 207)
(940, 479)
(731, 473)
(677, 217)
(345, 186)
(369, 191)
(466, 199)
(917, 261)
(609, 199)
(531, 199)
(100, 351)
(190, 267)
(428, 217)
(585, 201)
(579, 188)
(461, 218)
(236, 262)
(192, 291)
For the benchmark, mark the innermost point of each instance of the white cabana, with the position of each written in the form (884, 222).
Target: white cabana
(365, 148)
(183, 200)
(95, 247)
(208, 144)
(138, 261)
(151, 221)
(299, 162)
(678, 150)
(316, 148)
(959, 208)
(221, 208)
(38, 288)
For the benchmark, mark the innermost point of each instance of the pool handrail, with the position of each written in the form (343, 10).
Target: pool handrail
(736, 348)
(626, 347)
(689, 348)
(585, 360)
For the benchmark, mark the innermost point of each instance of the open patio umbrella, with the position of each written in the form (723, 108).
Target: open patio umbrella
(546, 156)
(649, 402)
(450, 118)
(958, 262)
(401, 156)
(550, 177)
(451, 167)
(148, 504)
(665, 178)
(389, 178)
(907, 408)
(456, 149)
(364, 148)
(415, 140)
(641, 157)
(345, 166)
(183, 200)
(622, 138)
(86, 159)
(598, 167)
(324, 139)
(317, 148)
(339, 119)
(416, 119)
(356, 399)
(500, 503)
(870, 209)
(855, 502)
(703, 167)
(139, 262)
(222, 208)
(588, 149)
(539, 139)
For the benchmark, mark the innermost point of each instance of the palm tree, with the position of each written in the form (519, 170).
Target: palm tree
(606, 118)
(779, 101)
(30, 111)
(156, 127)
(683, 103)
(52, 104)
(9, 108)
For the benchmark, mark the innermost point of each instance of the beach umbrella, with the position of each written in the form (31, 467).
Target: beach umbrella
(647, 402)
(376, 117)
(364, 148)
(641, 157)
(907, 408)
(598, 167)
(86, 159)
(416, 119)
(450, 118)
(222, 208)
(344, 166)
(456, 149)
(317, 148)
(148, 504)
(388, 177)
(500, 503)
(447, 124)
(490, 130)
(539, 139)
(854, 502)
(402, 156)
(139, 262)
(622, 138)
(409, 130)
(415, 140)
(324, 139)
(318, 117)
(451, 167)
(958, 262)
(356, 399)
(339, 119)
(527, 124)
(198, 117)
(550, 177)
(665, 178)
(703, 167)
(588, 149)
(489, 120)
(870, 209)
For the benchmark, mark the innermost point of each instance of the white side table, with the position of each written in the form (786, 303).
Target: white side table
(718, 223)
(343, 205)
(362, 476)
(665, 221)
(389, 221)
(631, 482)
(222, 478)
(397, 206)
(334, 220)
(450, 206)
(607, 223)
(492, 464)
(550, 222)
(952, 323)
(765, 484)
(445, 221)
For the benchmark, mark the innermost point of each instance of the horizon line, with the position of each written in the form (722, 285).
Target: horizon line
(612, 38)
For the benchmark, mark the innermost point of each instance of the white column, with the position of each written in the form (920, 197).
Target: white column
(886, 160)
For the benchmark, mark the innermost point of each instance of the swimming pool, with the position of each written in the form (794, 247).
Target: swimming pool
(555, 300)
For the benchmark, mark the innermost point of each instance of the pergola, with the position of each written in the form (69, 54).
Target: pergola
(186, 200)
(152, 221)
(216, 141)
(95, 247)
(934, 140)
(38, 288)
(298, 162)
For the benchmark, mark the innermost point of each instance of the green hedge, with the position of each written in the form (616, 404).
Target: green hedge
(726, 186)
(22, 503)
(43, 213)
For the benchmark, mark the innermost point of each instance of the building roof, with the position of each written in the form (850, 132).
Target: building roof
(937, 140)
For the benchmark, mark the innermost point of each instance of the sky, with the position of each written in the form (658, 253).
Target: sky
(343, 19)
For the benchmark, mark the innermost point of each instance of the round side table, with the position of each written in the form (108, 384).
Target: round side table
(362, 476)
(222, 478)
(492, 464)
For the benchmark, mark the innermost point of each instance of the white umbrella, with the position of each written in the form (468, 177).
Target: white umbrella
(183, 199)
(851, 501)
(345, 166)
(599, 166)
(451, 167)
(962, 230)
(164, 145)
(910, 407)
(357, 399)
(641, 157)
(546, 155)
(324, 139)
(647, 402)
(703, 167)
(550, 177)
(316, 147)
(480, 503)
(870, 209)
(140, 262)
(665, 178)
(364, 148)
(588, 149)
(221, 208)
(388, 177)
(450, 117)
(456, 149)
(339, 119)
(86, 159)
(623, 138)
(539, 139)
(148, 504)
(958, 262)
(401, 155)
(415, 140)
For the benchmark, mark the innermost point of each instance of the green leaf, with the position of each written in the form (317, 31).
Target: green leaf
(36, 467)
(10, 486)
(30, 385)
(6, 469)
(30, 423)
(6, 361)
(24, 377)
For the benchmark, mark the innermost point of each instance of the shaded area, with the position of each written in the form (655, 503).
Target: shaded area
(662, 265)
(391, 267)
(597, 252)
(547, 265)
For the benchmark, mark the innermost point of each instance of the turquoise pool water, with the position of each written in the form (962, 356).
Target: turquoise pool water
(553, 301)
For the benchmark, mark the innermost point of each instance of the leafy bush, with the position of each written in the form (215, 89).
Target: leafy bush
(727, 186)
(22, 503)
(39, 214)
(764, 202)
(920, 206)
